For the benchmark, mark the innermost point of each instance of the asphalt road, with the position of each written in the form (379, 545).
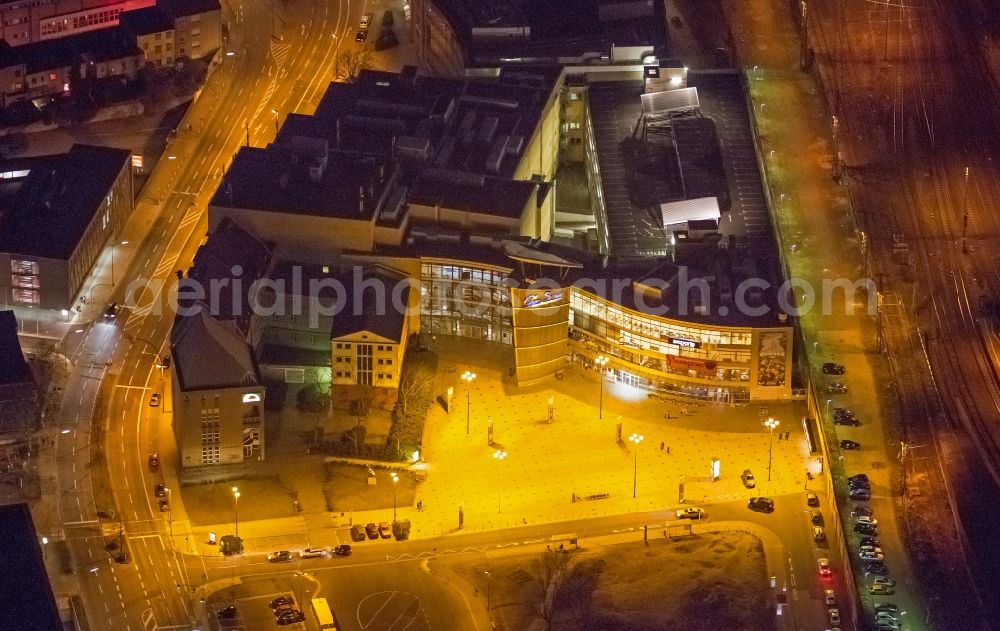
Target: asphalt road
(263, 74)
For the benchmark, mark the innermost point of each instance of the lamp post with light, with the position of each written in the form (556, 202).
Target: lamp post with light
(635, 439)
(395, 483)
(601, 361)
(770, 424)
(236, 510)
(499, 455)
(468, 378)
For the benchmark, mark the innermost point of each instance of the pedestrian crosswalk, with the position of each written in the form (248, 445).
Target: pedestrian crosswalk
(279, 50)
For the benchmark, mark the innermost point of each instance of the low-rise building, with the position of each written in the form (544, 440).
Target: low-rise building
(154, 34)
(57, 213)
(218, 398)
(19, 400)
(197, 26)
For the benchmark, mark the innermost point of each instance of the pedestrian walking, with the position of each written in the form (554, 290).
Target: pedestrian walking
(668, 450)
(662, 444)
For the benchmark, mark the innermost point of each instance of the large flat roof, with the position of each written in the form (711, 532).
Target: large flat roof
(13, 368)
(49, 208)
(23, 575)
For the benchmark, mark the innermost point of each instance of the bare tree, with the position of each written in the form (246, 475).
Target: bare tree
(414, 390)
(549, 571)
(350, 61)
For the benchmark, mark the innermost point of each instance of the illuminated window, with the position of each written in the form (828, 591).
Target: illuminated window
(26, 296)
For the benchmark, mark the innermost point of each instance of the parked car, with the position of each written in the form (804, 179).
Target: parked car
(312, 553)
(836, 387)
(384, 530)
(869, 541)
(861, 495)
(761, 504)
(819, 534)
(160, 490)
(859, 477)
(862, 510)
(884, 580)
(850, 445)
(748, 479)
(816, 517)
(846, 420)
(691, 512)
(866, 519)
(824, 567)
(342, 550)
(226, 613)
(371, 530)
(877, 568)
(812, 499)
(154, 400)
(282, 600)
(281, 556)
(831, 368)
(844, 412)
(828, 597)
(875, 549)
(291, 617)
(878, 589)
(357, 532)
(887, 607)
(865, 529)
(871, 555)
(164, 506)
(282, 610)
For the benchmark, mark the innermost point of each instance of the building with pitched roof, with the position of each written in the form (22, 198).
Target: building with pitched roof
(19, 401)
(218, 398)
(57, 213)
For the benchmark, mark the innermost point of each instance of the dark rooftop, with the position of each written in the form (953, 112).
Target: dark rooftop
(183, 8)
(392, 138)
(547, 31)
(13, 368)
(23, 575)
(48, 213)
(100, 45)
(146, 21)
(210, 354)
(382, 307)
(230, 253)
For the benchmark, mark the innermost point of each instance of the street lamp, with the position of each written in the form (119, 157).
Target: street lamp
(236, 509)
(395, 481)
(275, 112)
(601, 361)
(170, 515)
(770, 424)
(468, 377)
(499, 455)
(635, 439)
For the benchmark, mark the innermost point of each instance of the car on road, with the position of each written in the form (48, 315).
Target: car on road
(819, 534)
(282, 600)
(160, 490)
(361, 35)
(371, 530)
(828, 597)
(384, 530)
(226, 613)
(111, 312)
(154, 400)
(761, 504)
(281, 556)
(812, 500)
(291, 617)
(153, 461)
(834, 616)
(831, 368)
(824, 567)
(816, 517)
(342, 550)
(312, 553)
(357, 532)
(836, 387)
(366, 20)
(691, 512)
(748, 479)
(164, 506)
(850, 445)
(878, 589)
